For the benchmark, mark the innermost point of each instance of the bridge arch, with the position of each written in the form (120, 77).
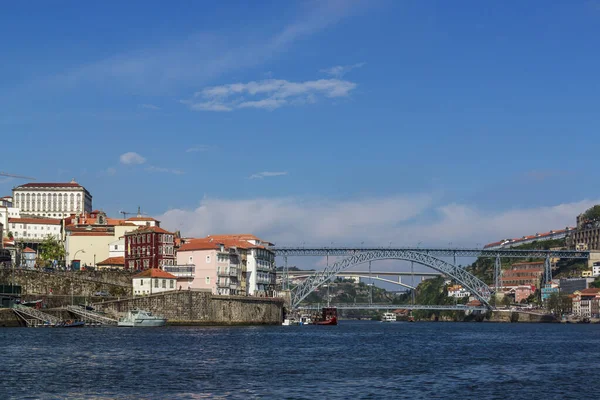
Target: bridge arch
(469, 281)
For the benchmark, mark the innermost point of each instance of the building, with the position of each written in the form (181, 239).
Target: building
(549, 289)
(112, 263)
(52, 200)
(571, 285)
(522, 293)
(152, 281)
(458, 292)
(7, 211)
(508, 243)
(217, 267)
(149, 247)
(28, 260)
(35, 230)
(586, 303)
(117, 248)
(596, 269)
(524, 274)
(260, 273)
(89, 236)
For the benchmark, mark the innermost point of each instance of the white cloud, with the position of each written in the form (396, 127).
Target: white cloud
(149, 106)
(267, 174)
(132, 158)
(180, 61)
(403, 220)
(152, 168)
(340, 70)
(199, 148)
(267, 94)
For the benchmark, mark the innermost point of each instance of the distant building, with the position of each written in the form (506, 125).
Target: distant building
(7, 211)
(524, 274)
(457, 291)
(112, 263)
(523, 292)
(596, 269)
(586, 303)
(35, 230)
(52, 200)
(28, 258)
(149, 247)
(508, 243)
(571, 285)
(116, 248)
(549, 289)
(152, 281)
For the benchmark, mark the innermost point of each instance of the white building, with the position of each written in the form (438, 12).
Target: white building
(7, 211)
(596, 269)
(153, 281)
(117, 248)
(458, 291)
(54, 200)
(34, 229)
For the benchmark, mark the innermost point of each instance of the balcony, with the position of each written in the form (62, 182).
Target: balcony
(223, 272)
(223, 284)
(181, 271)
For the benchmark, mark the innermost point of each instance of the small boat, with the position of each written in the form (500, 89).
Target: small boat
(306, 320)
(289, 322)
(34, 304)
(71, 324)
(141, 318)
(388, 317)
(86, 307)
(328, 317)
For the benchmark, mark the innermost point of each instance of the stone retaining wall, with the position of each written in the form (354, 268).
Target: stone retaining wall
(191, 307)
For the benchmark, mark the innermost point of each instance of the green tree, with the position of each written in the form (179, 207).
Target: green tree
(592, 213)
(51, 249)
(10, 235)
(558, 304)
(596, 283)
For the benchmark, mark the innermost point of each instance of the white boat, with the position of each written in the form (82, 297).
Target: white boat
(289, 322)
(141, 318)
(388, 317)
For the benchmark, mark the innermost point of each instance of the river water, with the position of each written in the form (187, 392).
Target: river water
(354, 360)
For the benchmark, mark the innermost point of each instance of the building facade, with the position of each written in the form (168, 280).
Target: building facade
(586, 303)
(52, 200)
(7, 211)
(457, 291)
(152, 281)
(524, 274)
(149, 247)
(32, 230)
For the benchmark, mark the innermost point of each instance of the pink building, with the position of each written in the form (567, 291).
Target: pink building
(523, 292)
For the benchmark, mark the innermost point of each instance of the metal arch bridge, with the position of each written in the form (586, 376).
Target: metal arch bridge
(396, 307)
(424, 256)
(374, 276)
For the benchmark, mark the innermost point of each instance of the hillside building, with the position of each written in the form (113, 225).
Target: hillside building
(52, 200)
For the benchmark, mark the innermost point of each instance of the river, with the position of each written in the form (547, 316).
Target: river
(354, 360)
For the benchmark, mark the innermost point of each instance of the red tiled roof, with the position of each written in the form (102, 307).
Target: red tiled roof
(41, 221)
(113, 261)
(91, 233)
(28, 250)
(509, 272)
(589, 291)
(238, 236)
(49, 184)
(155, 273)
(141, 219)
(529, 263)
(143, 229)
(199, 244)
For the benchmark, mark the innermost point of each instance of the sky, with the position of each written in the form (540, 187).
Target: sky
(315, 122)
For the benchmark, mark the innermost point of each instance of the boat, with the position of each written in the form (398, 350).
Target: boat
(33, 304)
(141, 318)
(306, 320)
(289, 322)
(71, 324)
(328, 317)
(388, 317)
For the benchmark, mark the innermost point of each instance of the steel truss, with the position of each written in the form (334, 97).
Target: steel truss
(469, 281)
(436, 252)
(396, 307)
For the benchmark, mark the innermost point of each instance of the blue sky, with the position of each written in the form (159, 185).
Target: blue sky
(311, 121)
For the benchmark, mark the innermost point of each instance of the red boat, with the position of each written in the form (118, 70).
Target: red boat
(329, 317)
(331, 321)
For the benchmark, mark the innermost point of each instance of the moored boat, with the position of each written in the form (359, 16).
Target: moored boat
(328, 317)
(141, 318)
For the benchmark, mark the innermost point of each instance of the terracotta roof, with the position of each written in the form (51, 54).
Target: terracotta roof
(509, 272)
(155, 273)
(28, 250)
(49, 184)
(141, 219)
(143, 229)
(113, 261)
(41, 221)
(238, 236)
(91, 233)
(474, 303)
(529, 263)
(199, 244)
(590, 291)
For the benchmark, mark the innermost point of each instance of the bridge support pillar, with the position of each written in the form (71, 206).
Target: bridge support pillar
(548, 270)
(498, 274)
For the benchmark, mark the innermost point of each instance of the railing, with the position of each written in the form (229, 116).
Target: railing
(24, 311)
(92, 316)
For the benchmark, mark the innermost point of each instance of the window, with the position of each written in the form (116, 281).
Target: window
(208, 280)
(164, 283)
(141, 282)
(191, 259)
(156, 283)
(172, 284)
(116, 247)
(208, 259)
